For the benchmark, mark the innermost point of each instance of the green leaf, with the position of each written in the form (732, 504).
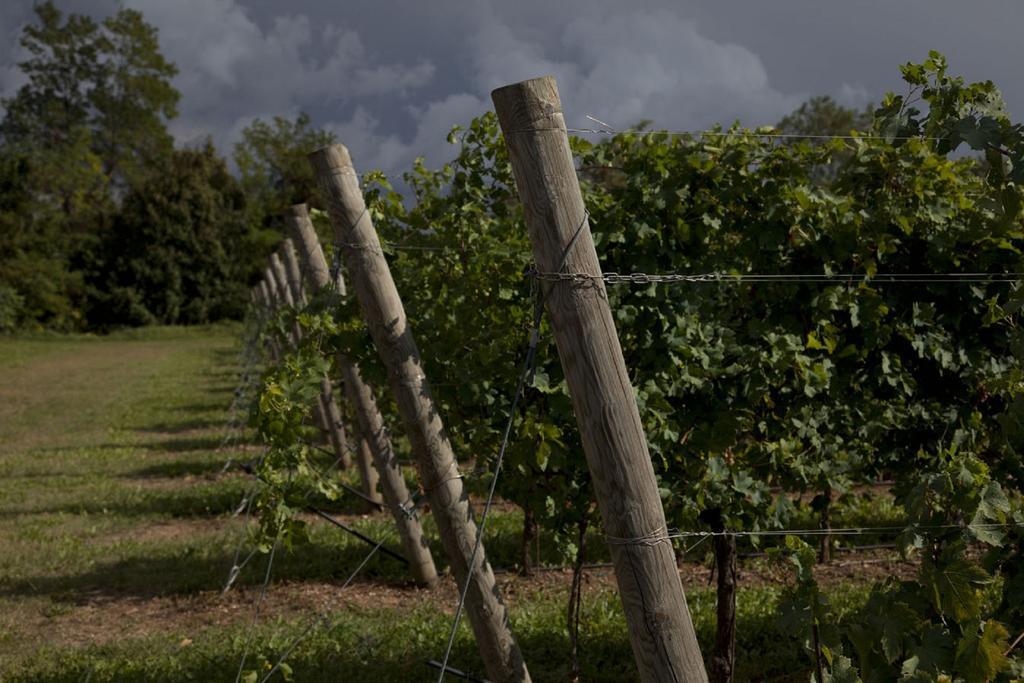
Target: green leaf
(992, 509)
(979, 655)
(954, 587)
(842, 671)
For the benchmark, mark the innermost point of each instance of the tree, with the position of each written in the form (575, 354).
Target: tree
(133, 99)
(36, 288)
(824, 116)
(108, 79)
(63, 68)
(271, 160)
(171, 255)
(87, 140)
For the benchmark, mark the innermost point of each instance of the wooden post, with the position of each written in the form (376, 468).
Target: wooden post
(330, 414)
(260, 304)
(283, 297)
(660, 628)
(371, 433)
(279, 287)
(270, 293)
(280, 281)
(385, 317)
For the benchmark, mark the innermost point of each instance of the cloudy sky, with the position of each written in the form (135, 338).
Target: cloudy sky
(390, 78)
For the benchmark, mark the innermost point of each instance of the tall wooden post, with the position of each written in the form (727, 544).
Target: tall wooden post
(283, 297)
(279, 281)
(660, 628)
(371, 433)
(284, 292)
(385, 317)
(270, 290)
(330, 414)
(286, 252)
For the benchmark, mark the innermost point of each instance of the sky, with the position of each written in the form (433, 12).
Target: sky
(391, 78)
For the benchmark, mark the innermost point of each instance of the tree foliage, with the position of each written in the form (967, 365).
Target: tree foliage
(105, 223)
(823, 116)
(107, 80)
(170, 256)
(271, 160)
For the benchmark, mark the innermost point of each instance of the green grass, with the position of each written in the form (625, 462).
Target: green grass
(113, 505)
(385, 646)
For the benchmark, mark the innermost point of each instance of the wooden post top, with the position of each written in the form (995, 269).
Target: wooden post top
(297, 211)
(529, 105)
(331, 157)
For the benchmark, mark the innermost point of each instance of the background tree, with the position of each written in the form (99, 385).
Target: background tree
(132, 100)
(272, 165)
(63, 68)
(171, 254)
(36, 288)
(103, 226)
(109, 79)
(824, 116)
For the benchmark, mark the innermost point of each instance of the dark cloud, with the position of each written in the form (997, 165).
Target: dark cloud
(392, 77)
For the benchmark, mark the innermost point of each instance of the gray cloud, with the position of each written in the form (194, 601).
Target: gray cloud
(391, 78)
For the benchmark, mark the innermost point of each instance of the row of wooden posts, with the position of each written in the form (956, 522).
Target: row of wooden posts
(660, 628)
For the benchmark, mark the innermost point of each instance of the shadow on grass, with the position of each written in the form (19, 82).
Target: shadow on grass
(215, 498)
(391, 646)
(179, 468)
(190, 569)
(186, 425)
(220, 389)
(185, 444)
(200, 500)
(201, 407)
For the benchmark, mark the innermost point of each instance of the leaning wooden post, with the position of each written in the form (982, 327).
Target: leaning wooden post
(660, 628)
(330, 414)
(284, 293)
(283, 297)
(371, 433)
(385, 317)
(270, 294)
(286, 252)
(260, 305)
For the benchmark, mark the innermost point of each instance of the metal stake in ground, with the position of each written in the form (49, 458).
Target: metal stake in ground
(369, 422)
(330, 413)
(660, 629)
(385, 316)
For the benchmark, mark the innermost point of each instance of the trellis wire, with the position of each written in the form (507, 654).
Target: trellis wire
(458, 673)
(324, 618)
(613, 278)
(256, 614)
(609, 130)
(659, 536)
(525, 375)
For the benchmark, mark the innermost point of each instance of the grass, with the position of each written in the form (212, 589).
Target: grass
(117, 534)
(372, 644)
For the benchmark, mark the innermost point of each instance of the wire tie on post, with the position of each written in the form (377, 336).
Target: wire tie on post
(656, 537)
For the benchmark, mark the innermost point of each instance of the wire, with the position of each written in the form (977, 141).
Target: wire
(613, 278)
(324, 618)
(657, 537)
(256, 615)
(609, 130)
(730, 134)
(525, 376)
